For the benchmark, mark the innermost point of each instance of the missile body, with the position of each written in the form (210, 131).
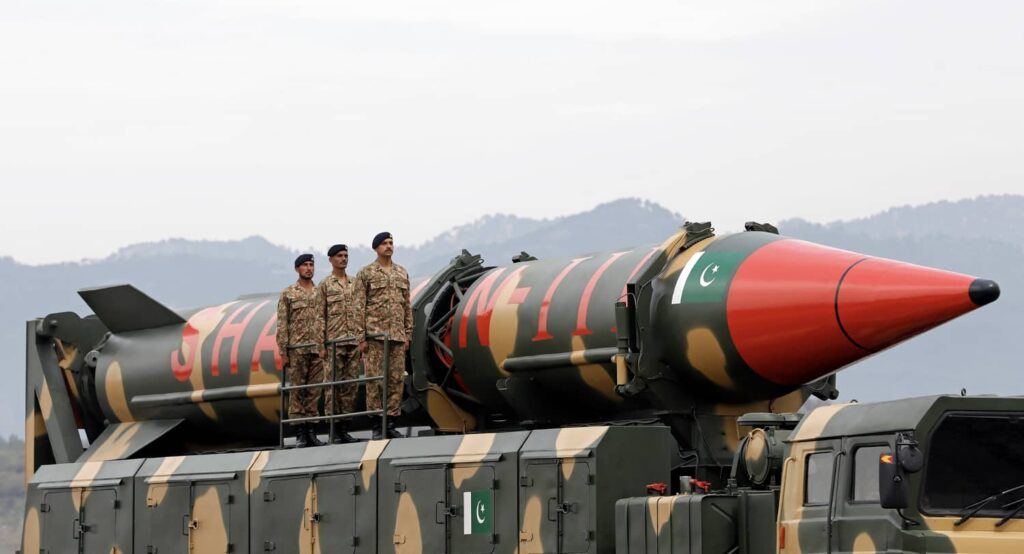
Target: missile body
(696, 327)
(736, 319)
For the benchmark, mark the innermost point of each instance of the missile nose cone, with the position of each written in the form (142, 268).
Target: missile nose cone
(798, 311)
(983, 291)
(881, 302)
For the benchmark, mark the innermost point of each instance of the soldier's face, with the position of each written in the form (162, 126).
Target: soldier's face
(386, 248)
(340, 260)
(305, 270)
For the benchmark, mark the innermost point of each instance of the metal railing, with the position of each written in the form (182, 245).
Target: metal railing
(335, 387)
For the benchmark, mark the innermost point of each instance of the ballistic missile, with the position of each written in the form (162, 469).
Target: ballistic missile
(688, 331)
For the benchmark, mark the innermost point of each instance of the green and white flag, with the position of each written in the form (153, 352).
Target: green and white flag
(705, 277)
(477, 512)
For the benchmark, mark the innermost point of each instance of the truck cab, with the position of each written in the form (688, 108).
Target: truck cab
(959, 486)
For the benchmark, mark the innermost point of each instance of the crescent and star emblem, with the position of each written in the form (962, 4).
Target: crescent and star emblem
(479, 512)
(703, 274)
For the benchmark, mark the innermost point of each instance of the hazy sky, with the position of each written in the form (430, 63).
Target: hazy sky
(310, 122)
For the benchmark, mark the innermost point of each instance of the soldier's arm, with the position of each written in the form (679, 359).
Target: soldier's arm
(359, 304)
(407, 301)
(282, 327)
(320, 325)
(321, 308)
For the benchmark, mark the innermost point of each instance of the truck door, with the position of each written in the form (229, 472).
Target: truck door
(555, 507)
(574, 506)
(539, 507)
(165, 518)
(280, 517)
(60, 529)
(422, 524)
(860, 524)
(472, 524)
(98, 521)
(808, 497)
(210, 525)
(336, 512)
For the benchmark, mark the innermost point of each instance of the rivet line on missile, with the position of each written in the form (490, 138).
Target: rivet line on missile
(839, 320)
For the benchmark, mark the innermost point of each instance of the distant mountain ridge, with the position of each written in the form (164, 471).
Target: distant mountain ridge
(979, 236)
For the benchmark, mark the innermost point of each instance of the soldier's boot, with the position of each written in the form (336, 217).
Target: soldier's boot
(311, 438)
(341, 436)
(390, 433)
(301, 437)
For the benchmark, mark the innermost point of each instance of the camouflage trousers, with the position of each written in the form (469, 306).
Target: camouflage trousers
(304, 369)
(346, 366)
(374, 363)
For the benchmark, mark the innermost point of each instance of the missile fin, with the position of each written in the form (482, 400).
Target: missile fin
(124, 308)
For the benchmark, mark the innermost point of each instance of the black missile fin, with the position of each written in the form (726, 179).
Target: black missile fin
(124, 308)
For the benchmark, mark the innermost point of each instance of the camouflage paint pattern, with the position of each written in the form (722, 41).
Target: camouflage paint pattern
(696, 523)
(80, 508)
(300, 319)
(374, 365)
(220, 372)
(404, 495)
(865, 527)
(347, 365)
(381, 302)
(315, 500)
(570, 478)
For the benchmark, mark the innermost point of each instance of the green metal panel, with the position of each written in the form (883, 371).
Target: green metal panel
(425, 480)
(470, 478)
(59, 523)
(163, 519)
(337, 514)
(424, 488)
(538, 500)
(577, 529)
(211, 526)
(99, 521)
(279, 517)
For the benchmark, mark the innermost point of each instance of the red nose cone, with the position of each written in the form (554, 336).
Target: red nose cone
(882, 302)
(798, 311)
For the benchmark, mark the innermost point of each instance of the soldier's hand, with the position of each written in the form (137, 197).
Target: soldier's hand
(362, 346)
(323, 354)
(284, 361)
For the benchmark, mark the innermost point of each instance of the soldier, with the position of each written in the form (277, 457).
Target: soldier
(300, 335)
(382, 306)
(340, 335)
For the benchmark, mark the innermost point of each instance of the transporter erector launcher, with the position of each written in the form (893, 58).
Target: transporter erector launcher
(692, 332)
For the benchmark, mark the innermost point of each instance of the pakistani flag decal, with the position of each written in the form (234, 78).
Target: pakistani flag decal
(477, 512)
(705, 277)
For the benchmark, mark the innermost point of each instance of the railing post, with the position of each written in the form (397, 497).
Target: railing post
(385, 375)
(284, 414)
(332, 352)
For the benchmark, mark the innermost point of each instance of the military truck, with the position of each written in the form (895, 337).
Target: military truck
(543, 392)
(930, 474)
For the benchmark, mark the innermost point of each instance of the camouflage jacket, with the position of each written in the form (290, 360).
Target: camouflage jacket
(339, 310)
(381, 300)
(300, 319)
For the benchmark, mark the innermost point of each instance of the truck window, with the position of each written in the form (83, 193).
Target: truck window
(972, 456)
(818, 479)
(865, 473)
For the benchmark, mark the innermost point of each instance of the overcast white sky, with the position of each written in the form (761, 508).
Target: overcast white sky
(310, 122)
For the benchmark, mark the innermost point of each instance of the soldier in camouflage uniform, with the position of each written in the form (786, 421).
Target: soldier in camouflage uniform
(383, 306)
(340, 335)
(300, 321)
